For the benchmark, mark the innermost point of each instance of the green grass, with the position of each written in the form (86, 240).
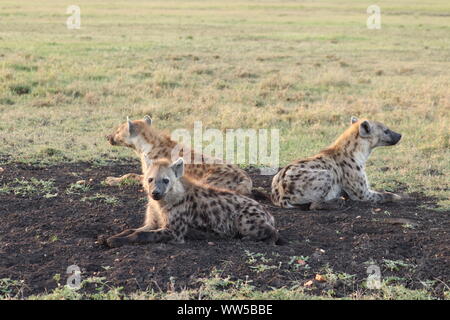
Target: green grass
(78, 188)
(303, 68)
(216, 286)
(10, 288)
(395, 265)
(103, 198)
(258, 262)
(24, 188)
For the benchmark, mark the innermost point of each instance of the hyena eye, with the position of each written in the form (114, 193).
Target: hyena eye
(165, 180)
(386, 131)
(150, 180)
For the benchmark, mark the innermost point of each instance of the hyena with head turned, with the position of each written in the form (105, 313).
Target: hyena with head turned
(140, 136)
(183, 204)
(320, 181)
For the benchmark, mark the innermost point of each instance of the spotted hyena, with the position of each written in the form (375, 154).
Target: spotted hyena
(148, 142)
(182, 203)
(319, 181)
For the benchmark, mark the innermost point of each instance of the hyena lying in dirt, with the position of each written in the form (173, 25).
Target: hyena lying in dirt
(181, 203)
(148, 142)
(319, 181)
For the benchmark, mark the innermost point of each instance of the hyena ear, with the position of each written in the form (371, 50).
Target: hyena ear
(132, 129)
(365, 129)
(148, 161)
(148, 120)
(354, 119)
(178, 168)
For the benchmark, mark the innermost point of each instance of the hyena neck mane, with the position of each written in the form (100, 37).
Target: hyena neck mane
(153, 144)
(194, 187)
(349, 146)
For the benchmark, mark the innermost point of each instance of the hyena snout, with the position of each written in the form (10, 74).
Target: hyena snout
(395, 137)
(157, 195)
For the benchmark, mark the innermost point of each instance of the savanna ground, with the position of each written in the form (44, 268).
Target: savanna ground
(302, 67)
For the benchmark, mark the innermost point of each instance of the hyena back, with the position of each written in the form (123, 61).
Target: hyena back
(319, 181)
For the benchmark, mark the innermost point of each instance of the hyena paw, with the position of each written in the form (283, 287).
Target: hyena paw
(112, 181)
(391, 197)
(114, 242)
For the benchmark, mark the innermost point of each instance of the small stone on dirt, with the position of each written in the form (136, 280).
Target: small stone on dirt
(376, 210)
(308, 283)
(320, 278)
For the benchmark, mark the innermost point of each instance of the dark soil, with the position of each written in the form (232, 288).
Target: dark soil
(41, 236)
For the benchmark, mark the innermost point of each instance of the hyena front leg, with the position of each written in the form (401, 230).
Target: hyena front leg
(113, 181)
(103, 239)
(125, 233)
(175, 232)
(382, 197)
(122, 238)
(154, 220)
(142, 237)
(359, 190)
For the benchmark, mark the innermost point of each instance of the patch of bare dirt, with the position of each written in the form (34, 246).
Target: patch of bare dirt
(41, 236)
